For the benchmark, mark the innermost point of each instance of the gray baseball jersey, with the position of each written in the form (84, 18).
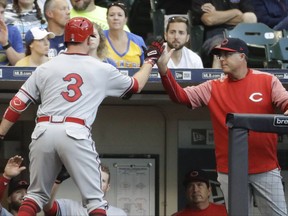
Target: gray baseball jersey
(69, 85)
(75, 85)
(69, 207)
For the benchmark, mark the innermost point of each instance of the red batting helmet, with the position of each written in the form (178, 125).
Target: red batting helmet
(78, 29)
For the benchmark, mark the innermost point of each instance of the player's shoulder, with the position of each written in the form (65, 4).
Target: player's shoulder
(258, 72)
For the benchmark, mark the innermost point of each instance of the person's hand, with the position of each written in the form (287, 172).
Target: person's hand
(63, 175)
(208, 8)
(3, 33)
(154, 51)
(163, 61)
(286, 112)
(13, 167)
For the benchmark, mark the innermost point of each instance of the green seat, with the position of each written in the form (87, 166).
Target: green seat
(277, 54)
(257, 37)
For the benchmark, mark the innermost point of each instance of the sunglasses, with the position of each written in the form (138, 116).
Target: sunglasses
(119, 4)
(178, 19)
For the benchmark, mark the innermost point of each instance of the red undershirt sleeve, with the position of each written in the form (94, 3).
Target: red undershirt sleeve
(3, 185)
(174, 90)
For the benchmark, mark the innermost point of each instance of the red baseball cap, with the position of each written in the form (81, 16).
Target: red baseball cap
(231, 45)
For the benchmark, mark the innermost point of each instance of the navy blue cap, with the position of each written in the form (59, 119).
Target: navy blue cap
(231, 45)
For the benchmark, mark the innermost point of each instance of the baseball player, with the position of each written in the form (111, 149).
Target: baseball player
(69, 207)
(69, 89)
(17, 188)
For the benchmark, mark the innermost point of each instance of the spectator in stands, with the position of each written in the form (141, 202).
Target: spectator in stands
(98, 46)
(24, 15)
(215, 16)
(17, 188)
(41, 4)
(198, 191)
(57, 13)
(273, 13)
(177, 36)
(89, 10)
(69, 207)
(37, 47)
(125, 48)
(11, 49)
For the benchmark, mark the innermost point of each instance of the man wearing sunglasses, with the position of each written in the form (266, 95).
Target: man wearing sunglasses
(241, 90)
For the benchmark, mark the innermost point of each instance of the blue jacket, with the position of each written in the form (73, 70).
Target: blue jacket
(270, 12)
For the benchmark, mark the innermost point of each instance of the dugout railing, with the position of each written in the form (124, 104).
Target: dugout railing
(239, 126)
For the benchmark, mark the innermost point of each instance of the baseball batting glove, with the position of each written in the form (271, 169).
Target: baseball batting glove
(154, 51)
(63, 175)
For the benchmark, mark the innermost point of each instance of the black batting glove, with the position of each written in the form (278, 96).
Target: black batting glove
(154, 51)
(63, 175)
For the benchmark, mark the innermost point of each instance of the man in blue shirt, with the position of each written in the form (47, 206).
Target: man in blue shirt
(57, 13)
(11, 46)
(273, 13)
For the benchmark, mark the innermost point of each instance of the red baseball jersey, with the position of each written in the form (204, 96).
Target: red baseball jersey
(212, 210)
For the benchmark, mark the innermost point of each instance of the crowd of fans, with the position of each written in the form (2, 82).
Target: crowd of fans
(123, 47)
(30, 35)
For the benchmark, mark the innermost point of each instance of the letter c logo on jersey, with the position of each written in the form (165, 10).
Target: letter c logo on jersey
(256, 97)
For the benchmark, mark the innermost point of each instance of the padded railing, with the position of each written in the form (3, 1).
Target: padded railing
(239, 125)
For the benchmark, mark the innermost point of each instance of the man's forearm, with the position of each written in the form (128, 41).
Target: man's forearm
(142, 75)
(222, 17)
(5, 126)
(13, 56)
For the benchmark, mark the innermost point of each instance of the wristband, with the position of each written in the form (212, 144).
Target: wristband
(149, 61)
(6, 46)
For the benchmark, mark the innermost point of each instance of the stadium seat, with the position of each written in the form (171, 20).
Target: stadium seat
(277, 54)
(257, 36)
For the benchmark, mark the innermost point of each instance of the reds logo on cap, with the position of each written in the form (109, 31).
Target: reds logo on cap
(224, 42)
(194, 174)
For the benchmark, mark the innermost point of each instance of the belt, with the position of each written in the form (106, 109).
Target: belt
(60, 119)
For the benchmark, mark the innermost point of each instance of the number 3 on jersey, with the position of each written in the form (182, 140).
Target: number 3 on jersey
(74, 87)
